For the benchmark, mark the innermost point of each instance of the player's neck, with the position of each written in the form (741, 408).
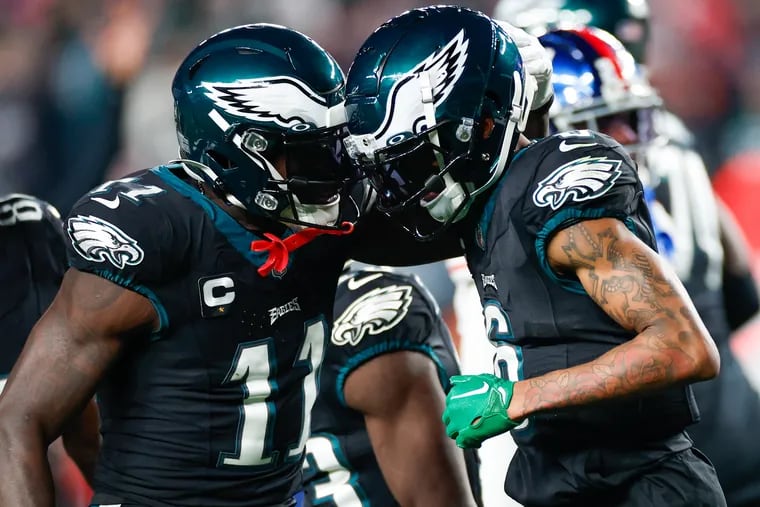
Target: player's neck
(522, 142)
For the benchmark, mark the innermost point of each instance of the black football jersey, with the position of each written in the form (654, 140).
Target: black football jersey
(376, 312)
(540, 322)
(33, 258)
(213, 408)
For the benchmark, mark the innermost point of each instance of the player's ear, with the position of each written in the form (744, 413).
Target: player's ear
(488, 125)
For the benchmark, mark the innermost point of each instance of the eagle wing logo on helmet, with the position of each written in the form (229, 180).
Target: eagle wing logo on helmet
(580, 180)
(97, 240)
(404, 108)
(375, 312)
(282, 100)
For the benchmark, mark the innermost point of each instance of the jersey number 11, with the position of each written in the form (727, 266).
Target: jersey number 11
(252, 364)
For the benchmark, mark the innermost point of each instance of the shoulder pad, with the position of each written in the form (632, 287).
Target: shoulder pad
(373, 306)
(579, 168)
(20, 209)
(130, 230)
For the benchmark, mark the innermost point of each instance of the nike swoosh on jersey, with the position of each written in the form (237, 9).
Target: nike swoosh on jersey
(354, 284)
(564, 147)
(503, 394)
(474, 392)
(108, 203)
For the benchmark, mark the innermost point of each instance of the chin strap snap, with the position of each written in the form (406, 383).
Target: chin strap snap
(279, 249)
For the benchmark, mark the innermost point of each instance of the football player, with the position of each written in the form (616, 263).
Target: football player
(200, 292)
(33, 257)
(691, 227)
(596, 338)
(377, 437)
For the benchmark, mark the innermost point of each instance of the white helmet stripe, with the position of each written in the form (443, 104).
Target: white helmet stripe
(428, 107)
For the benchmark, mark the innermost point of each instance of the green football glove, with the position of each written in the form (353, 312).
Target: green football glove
(476, 408)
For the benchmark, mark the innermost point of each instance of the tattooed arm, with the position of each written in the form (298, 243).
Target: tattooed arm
(634, 286)
(66, 355)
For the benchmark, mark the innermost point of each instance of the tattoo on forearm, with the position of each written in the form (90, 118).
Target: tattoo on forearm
(628, 285)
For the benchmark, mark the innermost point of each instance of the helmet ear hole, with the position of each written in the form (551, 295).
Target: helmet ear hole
(487, 127)
(489, 112)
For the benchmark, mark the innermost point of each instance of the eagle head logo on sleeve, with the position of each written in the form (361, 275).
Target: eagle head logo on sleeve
(375, 312)
(580, 180)
(97, 240)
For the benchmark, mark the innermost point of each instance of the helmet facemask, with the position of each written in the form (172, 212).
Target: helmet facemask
(317, 175)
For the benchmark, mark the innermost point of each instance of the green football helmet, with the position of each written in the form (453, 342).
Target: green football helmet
(436, 99)
(627, 20)
(255, 98)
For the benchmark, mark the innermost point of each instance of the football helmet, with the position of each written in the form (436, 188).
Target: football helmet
(259, 116)
(436, 99)
(627, 20)
(596, 80)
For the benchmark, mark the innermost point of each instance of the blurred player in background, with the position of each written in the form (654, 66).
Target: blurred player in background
(200, 292)
(597, 337)
(377, 437)
(627, 20)
(33, 255)
(695, 234)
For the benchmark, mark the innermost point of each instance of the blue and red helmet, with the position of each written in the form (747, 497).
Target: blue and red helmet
(596, 77)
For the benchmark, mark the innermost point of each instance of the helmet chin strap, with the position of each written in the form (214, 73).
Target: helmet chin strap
(447, 202)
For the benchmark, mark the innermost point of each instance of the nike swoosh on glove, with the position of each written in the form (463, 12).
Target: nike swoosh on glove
(536, 60)
(476, 408)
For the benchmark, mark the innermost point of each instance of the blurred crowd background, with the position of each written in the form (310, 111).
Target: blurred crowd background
(85, 90)
(85, 87)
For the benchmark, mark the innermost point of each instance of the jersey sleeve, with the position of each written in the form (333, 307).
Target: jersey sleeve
(378, 313)
(134, 240)
(584, 175)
